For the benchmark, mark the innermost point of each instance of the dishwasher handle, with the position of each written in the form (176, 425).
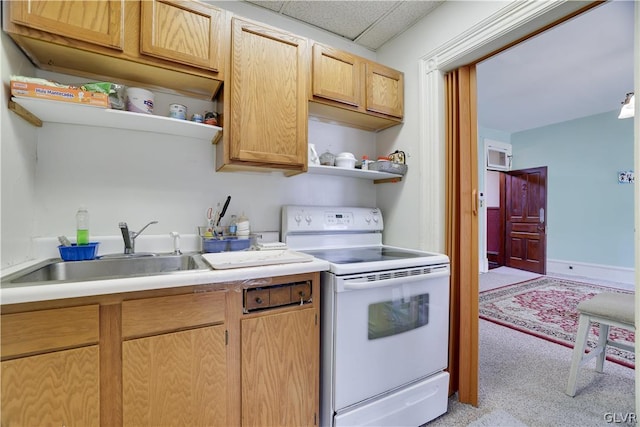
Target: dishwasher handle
(363, 283)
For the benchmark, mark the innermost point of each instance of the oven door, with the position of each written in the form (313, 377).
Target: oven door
(391, 328)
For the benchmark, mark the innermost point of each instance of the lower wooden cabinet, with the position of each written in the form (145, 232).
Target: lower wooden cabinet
(60, 388)
(174, 357)
(176, 379)
(174, 360)
(280, 369)
(51, 367)
(280, 352)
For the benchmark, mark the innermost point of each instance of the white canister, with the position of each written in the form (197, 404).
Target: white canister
(139, 100)
(178, 111)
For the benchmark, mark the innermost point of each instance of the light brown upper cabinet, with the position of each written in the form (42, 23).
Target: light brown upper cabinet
(182, 31)
(385, 90)
(354, 91)
(174, 44)
(100, 22)
(265, 101)
(336, 75)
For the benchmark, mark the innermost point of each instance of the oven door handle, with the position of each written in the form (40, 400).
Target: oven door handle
(362, 283)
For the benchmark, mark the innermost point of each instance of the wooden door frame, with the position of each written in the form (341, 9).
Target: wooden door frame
(513, 23)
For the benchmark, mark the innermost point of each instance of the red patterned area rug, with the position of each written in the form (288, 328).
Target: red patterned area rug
(546, 308)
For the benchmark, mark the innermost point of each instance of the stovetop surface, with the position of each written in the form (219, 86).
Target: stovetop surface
(365, 254)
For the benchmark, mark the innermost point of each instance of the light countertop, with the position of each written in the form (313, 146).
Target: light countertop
(235, 276)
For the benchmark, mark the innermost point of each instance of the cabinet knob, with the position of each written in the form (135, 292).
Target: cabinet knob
(302, 294)
(259, 300)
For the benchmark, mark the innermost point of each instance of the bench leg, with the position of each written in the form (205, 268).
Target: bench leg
(578, 352)
(602, 343)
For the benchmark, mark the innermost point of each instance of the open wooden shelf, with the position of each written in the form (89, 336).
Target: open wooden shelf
(66, 112)
(377, 177)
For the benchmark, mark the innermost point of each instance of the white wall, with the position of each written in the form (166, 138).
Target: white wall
(137, 177)
(18, 164)
(402, 202)
(455, 34)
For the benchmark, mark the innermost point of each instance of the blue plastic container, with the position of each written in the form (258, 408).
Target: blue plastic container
(79, 253)
(213, 245)
(236, 244)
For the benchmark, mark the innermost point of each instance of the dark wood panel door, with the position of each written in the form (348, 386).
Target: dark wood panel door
(526, 200)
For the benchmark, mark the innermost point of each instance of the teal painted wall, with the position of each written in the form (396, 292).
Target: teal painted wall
(589, 214)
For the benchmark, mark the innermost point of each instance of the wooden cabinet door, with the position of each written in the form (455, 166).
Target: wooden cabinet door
(59, 388)
(336, 75)
(280, 369)
(182, 31)
(97, 21)
(385, 90)
(175, 379)
(268, 102)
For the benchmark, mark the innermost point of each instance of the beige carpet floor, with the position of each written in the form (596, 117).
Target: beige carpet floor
(523, 379)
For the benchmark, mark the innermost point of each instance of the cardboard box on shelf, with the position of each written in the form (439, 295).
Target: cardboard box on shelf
(74, 95)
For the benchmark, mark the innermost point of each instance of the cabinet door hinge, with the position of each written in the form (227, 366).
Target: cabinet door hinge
(226, 337)
(316, 319)
(314, 419)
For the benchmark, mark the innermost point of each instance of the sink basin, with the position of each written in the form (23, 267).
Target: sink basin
(56, 270)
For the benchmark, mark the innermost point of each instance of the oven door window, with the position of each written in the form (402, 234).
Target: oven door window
(397, 316)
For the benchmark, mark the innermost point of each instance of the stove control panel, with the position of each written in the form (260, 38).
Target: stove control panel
(338, 219)
(318, 219)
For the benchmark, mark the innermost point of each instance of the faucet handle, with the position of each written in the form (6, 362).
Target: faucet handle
(126, 237)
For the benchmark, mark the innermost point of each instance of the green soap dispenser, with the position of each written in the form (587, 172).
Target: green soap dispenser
(82, 226)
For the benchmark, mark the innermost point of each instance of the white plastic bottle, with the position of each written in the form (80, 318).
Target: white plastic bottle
(82, 226)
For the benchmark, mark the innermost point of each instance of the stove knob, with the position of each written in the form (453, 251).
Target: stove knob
(368, 219)
(308, 219)
(375, 218)
(298, 218)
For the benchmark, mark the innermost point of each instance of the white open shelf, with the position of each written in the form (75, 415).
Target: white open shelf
(66, 112)
(352, 173)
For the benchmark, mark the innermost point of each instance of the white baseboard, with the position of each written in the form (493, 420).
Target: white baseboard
(593, 271)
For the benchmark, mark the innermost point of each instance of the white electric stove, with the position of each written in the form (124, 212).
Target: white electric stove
(385, 319)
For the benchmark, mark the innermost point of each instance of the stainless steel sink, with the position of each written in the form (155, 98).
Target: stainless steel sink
(109, 267)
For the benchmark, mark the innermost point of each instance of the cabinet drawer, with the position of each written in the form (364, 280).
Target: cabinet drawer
(46, 330)
(151, 316)
(279, 296)
(256, 298)
(301, 291)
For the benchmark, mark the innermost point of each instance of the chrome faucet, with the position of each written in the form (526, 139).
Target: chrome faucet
(129, 237)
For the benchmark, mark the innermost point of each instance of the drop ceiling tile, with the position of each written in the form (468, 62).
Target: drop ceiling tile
(396, 22)
(346, 18)
(273, 5)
